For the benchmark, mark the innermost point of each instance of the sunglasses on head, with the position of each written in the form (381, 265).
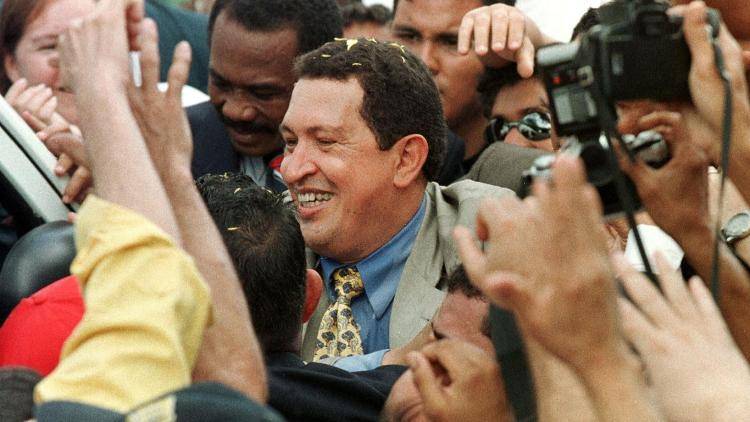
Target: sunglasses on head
(534, 126)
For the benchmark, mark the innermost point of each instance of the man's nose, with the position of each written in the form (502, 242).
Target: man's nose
(514, 137)
(428, 53)
(298, 164)
(239, 110)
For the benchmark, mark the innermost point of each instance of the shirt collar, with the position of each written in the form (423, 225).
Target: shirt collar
(381, 270)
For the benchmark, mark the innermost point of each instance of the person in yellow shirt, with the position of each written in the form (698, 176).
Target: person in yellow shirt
(146, 333)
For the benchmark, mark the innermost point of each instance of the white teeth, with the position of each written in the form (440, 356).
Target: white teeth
(312, 199)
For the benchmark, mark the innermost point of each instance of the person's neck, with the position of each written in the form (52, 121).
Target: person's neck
(471, 130)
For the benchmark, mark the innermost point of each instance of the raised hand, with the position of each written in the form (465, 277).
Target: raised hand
(546, 260)
(159, 114)
(501, 34)
(459, 381)
(695, 368)
(94, 51)
(38, 100)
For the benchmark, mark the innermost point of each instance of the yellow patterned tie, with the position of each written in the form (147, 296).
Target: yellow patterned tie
(339, 333)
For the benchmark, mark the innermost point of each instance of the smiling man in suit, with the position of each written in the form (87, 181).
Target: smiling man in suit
(360, 173)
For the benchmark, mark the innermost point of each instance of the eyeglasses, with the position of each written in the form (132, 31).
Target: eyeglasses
(535, 126)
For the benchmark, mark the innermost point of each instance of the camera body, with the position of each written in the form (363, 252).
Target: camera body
(638, 51)
(648, 146)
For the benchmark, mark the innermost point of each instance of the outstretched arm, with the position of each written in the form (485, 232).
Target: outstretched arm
(230, 352)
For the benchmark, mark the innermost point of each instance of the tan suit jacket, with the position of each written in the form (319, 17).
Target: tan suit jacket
(418, 295)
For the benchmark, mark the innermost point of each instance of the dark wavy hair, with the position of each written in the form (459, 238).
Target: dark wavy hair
(315, 21)
(264, 239)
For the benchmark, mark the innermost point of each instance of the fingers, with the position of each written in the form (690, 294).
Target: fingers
(706, 305)
(507, 291)
(70, 145)
(149, 44)
(482, 25)
(499, 30)
(47, 109)
(64, 164)
(134, 14)
(525, 58)
(663, 122)
(36, 124)
(16, 89)
(32, 99)
(473, 259)
(179, 70)
(697, 37)
(428, 384)
(642, 175)
(57, 127)
(79, 182)
(464, 33)
(568, 173)
(674, 288)
(516, 29)
(27, 95)
(637, 329)
(644, 295)
(35, 103)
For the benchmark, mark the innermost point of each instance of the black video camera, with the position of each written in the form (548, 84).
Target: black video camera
(637, 52)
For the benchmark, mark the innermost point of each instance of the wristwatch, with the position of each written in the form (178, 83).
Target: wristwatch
(738, 227)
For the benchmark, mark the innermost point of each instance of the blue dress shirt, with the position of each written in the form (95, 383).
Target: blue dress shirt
(381, 272)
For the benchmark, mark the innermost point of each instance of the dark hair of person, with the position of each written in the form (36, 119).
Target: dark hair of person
(315, 21)
(400, 97)
(263, 238)
(484, 3)
(359, 13)
(15, 16)
(492, 81)
(589, 20)
(458, 282)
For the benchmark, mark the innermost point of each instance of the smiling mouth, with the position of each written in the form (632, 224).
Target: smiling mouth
(309, 200)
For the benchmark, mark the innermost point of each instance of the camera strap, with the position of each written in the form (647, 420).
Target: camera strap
(726, 139)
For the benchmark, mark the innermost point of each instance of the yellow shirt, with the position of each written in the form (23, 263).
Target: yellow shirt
(146, 309)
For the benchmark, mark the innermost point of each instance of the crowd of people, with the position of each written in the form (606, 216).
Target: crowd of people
(336, 233)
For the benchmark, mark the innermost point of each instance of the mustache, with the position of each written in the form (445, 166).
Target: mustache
(248, 127)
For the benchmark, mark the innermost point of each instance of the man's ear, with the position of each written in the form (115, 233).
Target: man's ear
(413, 151)
(11, 68)
(313, 290)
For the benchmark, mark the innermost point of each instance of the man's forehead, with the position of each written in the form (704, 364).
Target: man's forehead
(519, 98)
(324, 104)
(264, 46)
(433, 15)
(257, 56)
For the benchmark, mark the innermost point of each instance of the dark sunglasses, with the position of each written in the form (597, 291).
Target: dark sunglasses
(535, 126)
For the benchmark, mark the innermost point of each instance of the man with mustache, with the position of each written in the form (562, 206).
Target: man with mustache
(253, 44)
